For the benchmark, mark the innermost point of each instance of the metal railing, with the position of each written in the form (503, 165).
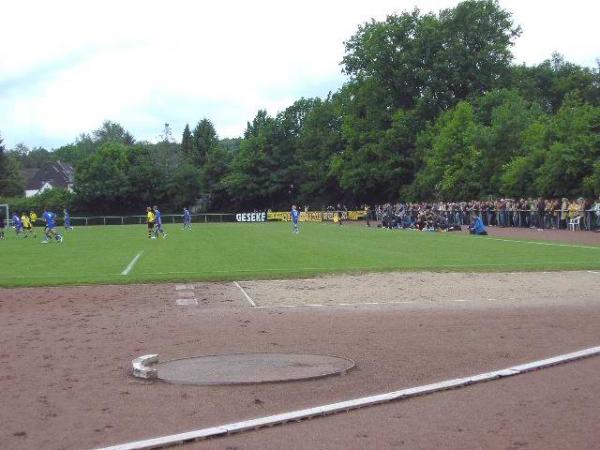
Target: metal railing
(516, 218)
(141, 219)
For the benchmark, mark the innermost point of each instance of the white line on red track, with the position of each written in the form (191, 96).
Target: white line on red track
(347, 405)
(245, 294)
(407, 302)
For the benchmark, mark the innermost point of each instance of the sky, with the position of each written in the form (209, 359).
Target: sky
(66, 66)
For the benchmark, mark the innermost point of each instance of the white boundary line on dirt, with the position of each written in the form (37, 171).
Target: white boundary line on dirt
(132, 263)
(245, 294)
(406, 302)
(333, 408)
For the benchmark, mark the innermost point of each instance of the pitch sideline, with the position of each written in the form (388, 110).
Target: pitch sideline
(344, 406)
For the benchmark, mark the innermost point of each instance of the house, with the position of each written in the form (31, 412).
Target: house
(52, 176)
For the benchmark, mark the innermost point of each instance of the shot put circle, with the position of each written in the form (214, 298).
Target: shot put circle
(250, 368)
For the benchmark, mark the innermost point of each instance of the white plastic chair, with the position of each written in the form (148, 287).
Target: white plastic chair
(575, 223)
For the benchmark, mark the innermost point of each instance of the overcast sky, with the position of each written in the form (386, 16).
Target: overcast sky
(66, 66)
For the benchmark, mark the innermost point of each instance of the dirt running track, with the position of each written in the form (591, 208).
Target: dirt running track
(65, 360)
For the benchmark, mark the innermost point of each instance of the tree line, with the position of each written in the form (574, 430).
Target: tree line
(434, 109)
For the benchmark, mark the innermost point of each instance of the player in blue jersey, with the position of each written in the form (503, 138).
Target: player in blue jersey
(295, 215)
(50, 230)
(187, 219)
(158, 227)
(477, 227)
(17, 224)
(67, 220)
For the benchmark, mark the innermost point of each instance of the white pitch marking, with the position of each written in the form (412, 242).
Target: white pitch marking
(185, 293)
(542, 243)
(131, 264)
(460, 300)
(313, 305)
(186, 301)
(245, 294)
(591, 271)
(182, 287)
(333, 408)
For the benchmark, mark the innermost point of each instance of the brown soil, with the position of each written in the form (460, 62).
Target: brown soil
(65, 360)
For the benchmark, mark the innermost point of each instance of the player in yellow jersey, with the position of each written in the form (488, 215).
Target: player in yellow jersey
(150, 218)
(26, 225)
(32, 219)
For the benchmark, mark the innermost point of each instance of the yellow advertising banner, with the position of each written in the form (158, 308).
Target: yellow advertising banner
(316, 216)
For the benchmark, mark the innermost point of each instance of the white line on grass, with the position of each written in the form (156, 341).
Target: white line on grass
(245, 294)
(333, 408)
(518, 241)
(131, 264)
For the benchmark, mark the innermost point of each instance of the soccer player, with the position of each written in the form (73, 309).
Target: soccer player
(32, 219)
(67, 220)
(187, 219)
(26, 225)
(17, 224)
(295, 215)
(1, 227)
(50, 230)
(150, 218)
(159, 228)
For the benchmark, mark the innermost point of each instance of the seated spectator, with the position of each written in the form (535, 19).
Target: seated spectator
(477, 227)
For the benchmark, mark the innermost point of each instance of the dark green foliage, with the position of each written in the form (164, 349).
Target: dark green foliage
(54, 199)
(11, 180)
(433, 109)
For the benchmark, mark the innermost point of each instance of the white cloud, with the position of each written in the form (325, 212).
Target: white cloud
(65, 66)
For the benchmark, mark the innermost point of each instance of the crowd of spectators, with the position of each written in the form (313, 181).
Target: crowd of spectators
(537, 213)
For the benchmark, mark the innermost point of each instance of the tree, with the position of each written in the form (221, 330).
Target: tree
(431, 61)
(167, 135)
(187, 142)
(550, 82)
(203, 138)
(101, 180)
(452, 162)
(11, 180)
(574, 149)
(112, 132)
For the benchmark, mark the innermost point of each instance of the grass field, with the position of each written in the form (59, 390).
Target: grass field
(234, 251)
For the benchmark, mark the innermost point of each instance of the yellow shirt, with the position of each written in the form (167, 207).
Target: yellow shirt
(25, 220)
(151, 217)
(33, 217)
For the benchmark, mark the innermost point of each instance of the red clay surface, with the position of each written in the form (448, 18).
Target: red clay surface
(66, 354)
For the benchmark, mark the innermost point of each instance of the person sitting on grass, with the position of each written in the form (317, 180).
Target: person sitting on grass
(477, 227)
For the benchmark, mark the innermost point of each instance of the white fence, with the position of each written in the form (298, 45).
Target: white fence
(140, 219)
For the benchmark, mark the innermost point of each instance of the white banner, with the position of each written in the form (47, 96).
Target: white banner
(251, 217)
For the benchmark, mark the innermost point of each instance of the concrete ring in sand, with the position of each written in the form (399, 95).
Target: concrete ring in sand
(249, 368)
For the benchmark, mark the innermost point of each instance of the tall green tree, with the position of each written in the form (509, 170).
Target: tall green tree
(187, 145)
(434, 61)
(203, 138)
(112, 132)
(11, 180)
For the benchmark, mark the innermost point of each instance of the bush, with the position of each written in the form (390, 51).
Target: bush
(54, 199)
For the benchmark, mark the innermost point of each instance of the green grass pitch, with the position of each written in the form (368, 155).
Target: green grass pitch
(231, 251)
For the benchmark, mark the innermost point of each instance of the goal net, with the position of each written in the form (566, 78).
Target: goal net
(4, 214)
